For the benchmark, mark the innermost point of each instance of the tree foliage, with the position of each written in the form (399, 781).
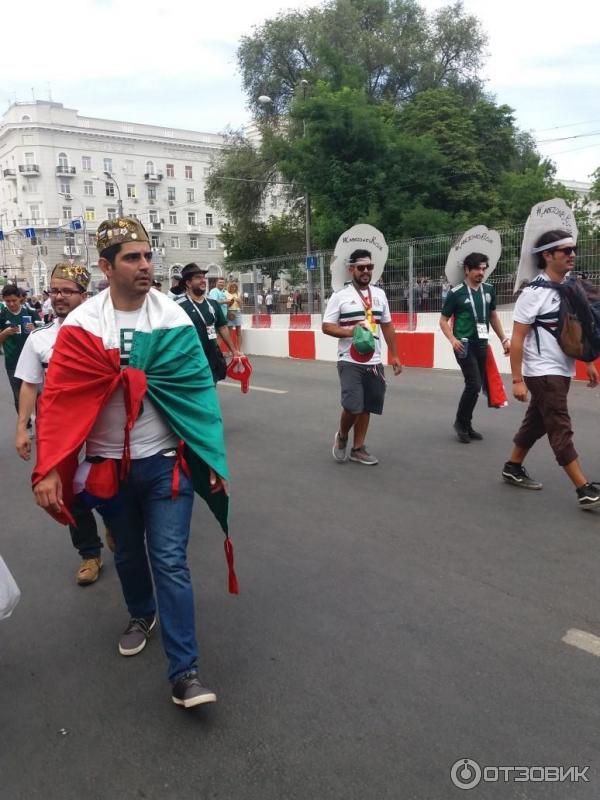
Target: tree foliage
(391, 127)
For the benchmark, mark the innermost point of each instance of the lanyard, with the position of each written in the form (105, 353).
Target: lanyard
(473, 309)
(367, 305)
(199, 310)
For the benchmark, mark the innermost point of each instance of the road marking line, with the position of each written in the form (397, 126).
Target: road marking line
(254, 388)
(583, 640)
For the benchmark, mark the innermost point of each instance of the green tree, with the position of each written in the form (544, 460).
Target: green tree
(392, 49)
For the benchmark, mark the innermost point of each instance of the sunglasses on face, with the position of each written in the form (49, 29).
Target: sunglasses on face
(64, 292)
(363, 267)
(566, 250)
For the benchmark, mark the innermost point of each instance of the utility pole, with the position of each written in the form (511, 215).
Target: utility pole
(119, 200)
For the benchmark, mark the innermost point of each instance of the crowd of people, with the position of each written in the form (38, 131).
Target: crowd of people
(140, 368)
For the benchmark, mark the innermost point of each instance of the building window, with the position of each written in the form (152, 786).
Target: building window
(171, 194)
(209, 220)
(110, 189)
(193, 242)
(210, 243)
(90, 214)
(111, 213)
(63, 160)
(65, 187)
(66, 212)
(152, 194)
(88, 188)
(129, 167)
(175, 242)
(91, 237)
(108, 165)
(172, 218)
(191, 217)
(131, 192)
(153, 215)
(30, 185)
(189, 174)
(150, 167)
(30, 159)
(170, 170)
(190, 195)
(34, 212)
(155, 240)
(86, 163)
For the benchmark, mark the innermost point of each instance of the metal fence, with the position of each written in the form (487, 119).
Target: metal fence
(413, 279)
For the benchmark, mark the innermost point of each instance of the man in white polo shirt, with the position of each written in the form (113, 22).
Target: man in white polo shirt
(68, 289)
(361, 374)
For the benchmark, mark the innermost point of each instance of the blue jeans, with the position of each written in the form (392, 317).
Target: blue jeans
(151, 533)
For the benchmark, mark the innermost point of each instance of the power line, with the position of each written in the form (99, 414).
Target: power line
(570, 125)
(565, 138)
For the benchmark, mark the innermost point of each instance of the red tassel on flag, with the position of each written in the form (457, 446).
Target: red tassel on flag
(234, 587)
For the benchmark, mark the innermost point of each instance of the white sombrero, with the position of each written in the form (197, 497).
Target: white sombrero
(476, 240)
(359, 237)
(550, 215)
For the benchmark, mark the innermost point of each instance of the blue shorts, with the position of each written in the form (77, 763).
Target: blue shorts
(236, 322)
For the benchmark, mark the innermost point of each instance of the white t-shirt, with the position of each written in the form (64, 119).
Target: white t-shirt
(269, 300)
(47, 307)
(36, 353)
(149, 435)
(550, 360)
(346, 308)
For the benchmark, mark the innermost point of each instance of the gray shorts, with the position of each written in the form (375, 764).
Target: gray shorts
(363, 387)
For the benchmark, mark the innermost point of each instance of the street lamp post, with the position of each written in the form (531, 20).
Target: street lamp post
(265, 100)
(119, 201)
(69, 196)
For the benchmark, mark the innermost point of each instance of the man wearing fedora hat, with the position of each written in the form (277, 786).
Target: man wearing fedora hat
(208, 317)
(360, 308)
(68, 289)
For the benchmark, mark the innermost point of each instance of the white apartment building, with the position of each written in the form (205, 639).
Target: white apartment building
(61, 174)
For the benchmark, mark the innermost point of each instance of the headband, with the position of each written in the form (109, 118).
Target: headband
(552, 245)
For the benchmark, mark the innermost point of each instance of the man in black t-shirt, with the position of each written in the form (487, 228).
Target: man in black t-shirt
(207, 316)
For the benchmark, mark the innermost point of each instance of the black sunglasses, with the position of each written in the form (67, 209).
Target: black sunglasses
(363, 267)
(566, 250)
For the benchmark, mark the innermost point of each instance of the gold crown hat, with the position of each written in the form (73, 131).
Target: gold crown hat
(72, 272)
(119, 231)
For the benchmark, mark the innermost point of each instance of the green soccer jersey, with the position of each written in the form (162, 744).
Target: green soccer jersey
(14, 344)
(458, 305)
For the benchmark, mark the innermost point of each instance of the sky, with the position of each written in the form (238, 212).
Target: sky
(174, 64)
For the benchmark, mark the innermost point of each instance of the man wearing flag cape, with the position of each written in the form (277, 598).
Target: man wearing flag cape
(129, 380)
(356, 314)
(539, 366)
(472, 304)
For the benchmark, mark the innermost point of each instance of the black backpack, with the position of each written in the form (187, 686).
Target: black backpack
(578, 328)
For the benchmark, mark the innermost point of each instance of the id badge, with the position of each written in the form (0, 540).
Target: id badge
(482, 331)
(211, 331)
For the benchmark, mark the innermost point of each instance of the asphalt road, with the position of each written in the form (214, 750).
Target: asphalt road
(392, 620)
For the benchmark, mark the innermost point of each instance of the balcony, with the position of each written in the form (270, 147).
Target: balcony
(62, 170)
(29, 169)
(193, 228)
(158, 250)
(71, 250)
(157, 226)
(153, 177)
(11, 174)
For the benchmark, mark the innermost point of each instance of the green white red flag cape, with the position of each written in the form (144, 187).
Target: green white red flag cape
(166, 362)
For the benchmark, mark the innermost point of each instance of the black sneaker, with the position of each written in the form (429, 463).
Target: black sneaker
(517, 475)
(188, 691)
(462, 434)
(588, 496)
(136, 634)
(474, 435)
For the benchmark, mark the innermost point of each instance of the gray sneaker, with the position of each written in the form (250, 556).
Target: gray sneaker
(136, 634)
(188, 691)
(360, 455)
(339, 447)
(517, 475)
